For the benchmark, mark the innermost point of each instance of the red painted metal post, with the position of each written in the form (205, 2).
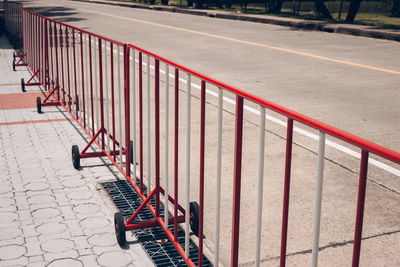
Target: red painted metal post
(201, 186)
(45, 67)
(51, 54)
(56, 54)
(127, 113)
(157, 132)
(91, 82)
(237, 177)
(41, 46)
(34, 63)
(75, 83)
(141, 120)
(176, 156)
(37, 37)
(68, 72)
(103, 141)
(34, 42)
(362, 186)
(31, 53)
(285, 212)
(62, 64)
(83, 80)
(46, 55)
(112, 96)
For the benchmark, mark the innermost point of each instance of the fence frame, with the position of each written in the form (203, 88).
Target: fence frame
(37, 54)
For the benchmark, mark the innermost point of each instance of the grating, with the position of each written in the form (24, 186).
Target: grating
(152, 240)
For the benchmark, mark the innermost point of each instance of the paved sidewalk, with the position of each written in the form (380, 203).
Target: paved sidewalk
(350, 29)
(50, 213)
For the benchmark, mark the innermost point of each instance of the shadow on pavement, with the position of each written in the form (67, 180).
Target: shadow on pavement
(62, 14)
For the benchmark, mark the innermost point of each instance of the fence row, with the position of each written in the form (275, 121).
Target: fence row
(134, 104)
(13, 19)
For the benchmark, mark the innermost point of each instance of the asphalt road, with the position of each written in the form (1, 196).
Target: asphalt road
(348, 82)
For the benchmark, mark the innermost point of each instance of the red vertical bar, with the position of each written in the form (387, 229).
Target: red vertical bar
(37, 46)
(141, 120)
(202, 142)
(83, 81)
(157, 133)
(31, 28)
(75, 84)
(91, 82)
(41, 45)
(34, 33)
(286, 194)
(46, 54)
(362, 186)
(68, 72)
(43, 69)
(103, 141)
(57, 81)
(127, 113)
(176, 157)
(62, 63)
(51, 54)
(112, 95)
(237, 177)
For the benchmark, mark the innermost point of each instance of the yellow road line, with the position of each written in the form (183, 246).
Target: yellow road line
(287, 50)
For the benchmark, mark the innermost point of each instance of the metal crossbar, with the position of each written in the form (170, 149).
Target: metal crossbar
(77, 68)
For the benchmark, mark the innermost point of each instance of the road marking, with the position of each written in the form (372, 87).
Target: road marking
(330, 143)
(303, 132)
(287, 50)
(26, 122)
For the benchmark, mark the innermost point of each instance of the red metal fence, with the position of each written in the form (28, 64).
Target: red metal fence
(13, 19)
(87, 73)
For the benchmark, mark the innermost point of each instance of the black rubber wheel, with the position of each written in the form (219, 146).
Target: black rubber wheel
(194, 218)
(13, 65)
(119, 225)
(23, 85)
(39, 105)
(76, 157)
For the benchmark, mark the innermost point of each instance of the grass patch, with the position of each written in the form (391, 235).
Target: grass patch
(379, 20)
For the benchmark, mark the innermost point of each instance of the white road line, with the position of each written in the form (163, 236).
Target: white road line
(332, 144)
(303, 132)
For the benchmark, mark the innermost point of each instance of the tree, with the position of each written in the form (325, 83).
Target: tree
(395, 12)
(322, 9)
(353, 10)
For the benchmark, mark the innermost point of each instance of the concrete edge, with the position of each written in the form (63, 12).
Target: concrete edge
(294, 23)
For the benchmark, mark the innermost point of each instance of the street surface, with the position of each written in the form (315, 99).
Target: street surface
(345, 81)
(348, 82)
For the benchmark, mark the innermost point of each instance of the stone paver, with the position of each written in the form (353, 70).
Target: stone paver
(50, 213)
(11, 252)
(116, 258)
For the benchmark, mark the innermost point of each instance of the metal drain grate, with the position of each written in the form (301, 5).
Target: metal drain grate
(162, 253)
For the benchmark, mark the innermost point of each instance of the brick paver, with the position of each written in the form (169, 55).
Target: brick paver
(50, 213)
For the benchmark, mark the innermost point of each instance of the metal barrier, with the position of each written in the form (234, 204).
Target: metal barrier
(13, 20)
(87, 73)
(13, 26)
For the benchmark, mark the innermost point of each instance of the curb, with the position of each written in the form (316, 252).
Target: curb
(349, 29)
